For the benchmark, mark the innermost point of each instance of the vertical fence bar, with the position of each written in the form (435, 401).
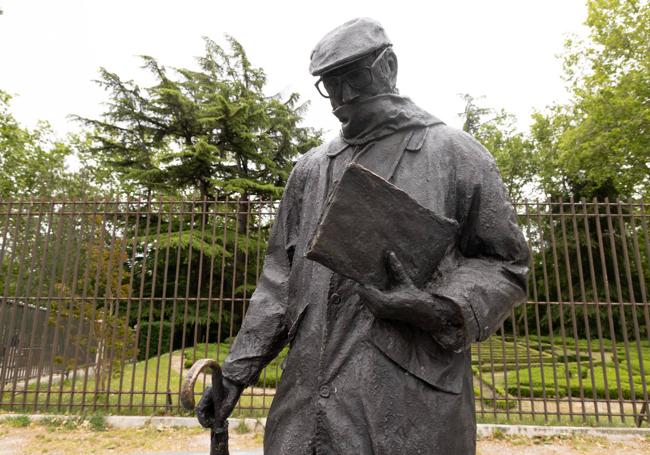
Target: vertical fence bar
(585, 311)
(560, 303)
(16, 337)
(222, 276)
(5, 337)
(596, 297)
(127, 312)
(635, 320)
(610, 318)
(89, 210)
(199, 280)
(152, 298)
(642, 288)
(639, 266)
(102, 380)
(143, 273)
(44, 328)
(29, 369)
(25, 342)
(39, 288)
(59, 295)
(163, 296)
(113, 295)
(572, 310)
(71, 293)
(245, 216)
(188, 285)
(549, 313)
(621, 307)
(71, 256)
(538, 326)
(175, 298)
(213, 249)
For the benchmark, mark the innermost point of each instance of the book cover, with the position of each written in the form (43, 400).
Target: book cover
(366, 216)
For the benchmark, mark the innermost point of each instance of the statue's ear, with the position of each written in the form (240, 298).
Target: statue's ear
(391, 67)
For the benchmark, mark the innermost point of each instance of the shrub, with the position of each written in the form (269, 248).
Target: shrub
(18, 421)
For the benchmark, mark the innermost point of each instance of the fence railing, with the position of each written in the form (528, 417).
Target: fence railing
(105, 304)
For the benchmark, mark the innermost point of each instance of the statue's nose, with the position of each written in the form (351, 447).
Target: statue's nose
(348, 93)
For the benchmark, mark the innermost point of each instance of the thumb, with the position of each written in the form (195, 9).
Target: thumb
(397, 269)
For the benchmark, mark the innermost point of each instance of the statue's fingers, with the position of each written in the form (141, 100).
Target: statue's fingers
(205, 410)
(397, 269)
(371, 294)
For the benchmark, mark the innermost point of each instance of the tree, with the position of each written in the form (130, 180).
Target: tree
(32, 164)
(201, 133)
(205, 134)
(512, 151)
(598, 144)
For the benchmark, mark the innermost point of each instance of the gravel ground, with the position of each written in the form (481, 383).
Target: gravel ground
(40, 439)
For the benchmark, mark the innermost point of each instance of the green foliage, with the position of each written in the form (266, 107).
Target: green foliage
(31, 163)
(97, 422)
(557, 374)
(17, 421)
(200, 132)
(512, 151)
(598, 144)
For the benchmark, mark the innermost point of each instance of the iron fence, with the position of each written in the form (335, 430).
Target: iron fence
(105, 304)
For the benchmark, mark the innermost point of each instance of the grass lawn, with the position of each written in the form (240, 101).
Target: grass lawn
(504, 368)
(134, 390)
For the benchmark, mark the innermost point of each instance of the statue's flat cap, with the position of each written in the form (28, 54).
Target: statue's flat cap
(347, 43)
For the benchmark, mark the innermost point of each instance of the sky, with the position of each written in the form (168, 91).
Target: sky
(503, 50)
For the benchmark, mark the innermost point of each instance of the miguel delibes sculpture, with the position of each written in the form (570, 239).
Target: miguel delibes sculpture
(394, 248)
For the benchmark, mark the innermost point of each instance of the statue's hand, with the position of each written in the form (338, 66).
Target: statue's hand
(403, 302)
(206, 411)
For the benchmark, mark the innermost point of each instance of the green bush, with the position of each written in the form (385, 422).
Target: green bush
(530, 382)
(18, 421)
(97, 422)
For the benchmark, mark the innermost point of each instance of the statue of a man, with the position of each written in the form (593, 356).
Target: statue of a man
(372, 371)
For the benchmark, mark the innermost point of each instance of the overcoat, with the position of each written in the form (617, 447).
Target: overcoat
(356, 385)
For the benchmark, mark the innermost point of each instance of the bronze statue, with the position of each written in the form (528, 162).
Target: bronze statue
(372, 369)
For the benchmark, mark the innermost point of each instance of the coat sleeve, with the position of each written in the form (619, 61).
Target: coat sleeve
(263, 333)
(487, 274)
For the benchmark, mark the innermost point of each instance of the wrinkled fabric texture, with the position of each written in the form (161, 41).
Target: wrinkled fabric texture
(374, 117)
(353, 384)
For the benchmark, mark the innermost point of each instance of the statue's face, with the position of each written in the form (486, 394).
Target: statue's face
(371, 75)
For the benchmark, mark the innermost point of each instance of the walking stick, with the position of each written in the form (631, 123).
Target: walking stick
(219, 430)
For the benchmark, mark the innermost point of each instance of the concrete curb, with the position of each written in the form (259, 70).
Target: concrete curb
(486, 430)
(483, 430)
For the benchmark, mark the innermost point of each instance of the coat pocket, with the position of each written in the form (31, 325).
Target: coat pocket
(418, 353)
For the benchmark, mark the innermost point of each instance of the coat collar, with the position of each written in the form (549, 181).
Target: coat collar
(414, 143)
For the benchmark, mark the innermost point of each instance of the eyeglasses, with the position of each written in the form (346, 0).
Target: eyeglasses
(357, 78)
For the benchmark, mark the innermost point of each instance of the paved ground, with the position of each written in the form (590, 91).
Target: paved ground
(20, 437)
(254, 452)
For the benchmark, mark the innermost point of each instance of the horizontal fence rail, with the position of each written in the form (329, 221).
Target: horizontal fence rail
(105, 304)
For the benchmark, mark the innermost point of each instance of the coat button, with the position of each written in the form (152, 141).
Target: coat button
(335, 299)
(324, 391)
